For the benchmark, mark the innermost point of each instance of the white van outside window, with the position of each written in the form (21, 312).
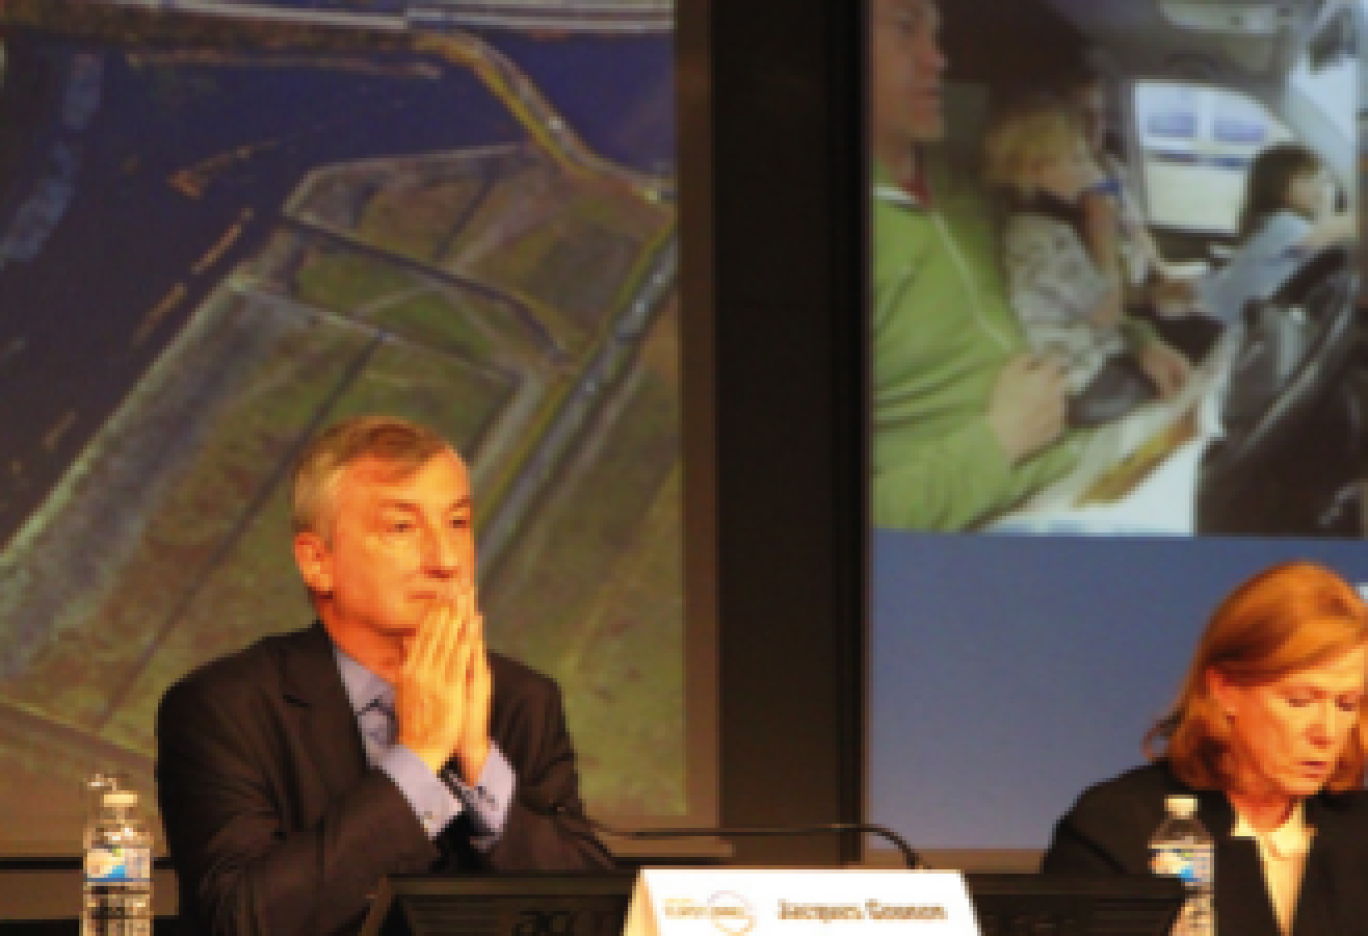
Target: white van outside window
(1332, 88)
(1196, 145)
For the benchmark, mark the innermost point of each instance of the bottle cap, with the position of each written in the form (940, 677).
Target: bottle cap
(1181, 805)
(121, 798)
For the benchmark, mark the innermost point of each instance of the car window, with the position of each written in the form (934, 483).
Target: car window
(1327, 76)
(1196, 143)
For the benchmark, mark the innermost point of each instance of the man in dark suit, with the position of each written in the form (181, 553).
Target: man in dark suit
(293, 775)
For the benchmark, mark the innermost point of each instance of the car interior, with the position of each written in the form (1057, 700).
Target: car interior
(1196, 88)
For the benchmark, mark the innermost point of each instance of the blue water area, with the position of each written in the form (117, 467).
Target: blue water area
(127, 237)
(296, 118)
(617, 92)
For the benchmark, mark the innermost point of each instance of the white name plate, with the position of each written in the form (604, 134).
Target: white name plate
(748, 902)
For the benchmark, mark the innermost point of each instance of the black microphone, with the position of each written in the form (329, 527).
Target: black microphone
(541, 802)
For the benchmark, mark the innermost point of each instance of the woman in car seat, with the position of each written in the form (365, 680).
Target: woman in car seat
(1288, 215)
(1064, 279)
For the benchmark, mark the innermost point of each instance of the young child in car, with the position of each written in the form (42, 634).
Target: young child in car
(1062, 267)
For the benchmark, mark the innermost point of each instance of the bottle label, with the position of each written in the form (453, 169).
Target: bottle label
(1193, 864)
(116, 864)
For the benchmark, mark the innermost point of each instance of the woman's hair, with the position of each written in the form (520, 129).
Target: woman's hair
(1023, 136)
(1285, 619)
(1270, 176)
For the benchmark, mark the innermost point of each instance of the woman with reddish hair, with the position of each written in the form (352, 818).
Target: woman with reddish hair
(1268, 735)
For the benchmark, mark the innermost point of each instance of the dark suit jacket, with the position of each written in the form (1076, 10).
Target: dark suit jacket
(1108, 831)
(275, 821)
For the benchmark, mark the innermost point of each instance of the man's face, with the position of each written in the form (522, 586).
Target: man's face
(397, 545)
(906, 72)
(1287, 735)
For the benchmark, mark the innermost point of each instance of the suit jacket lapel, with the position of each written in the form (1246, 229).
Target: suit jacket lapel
(325, 724)
(1318, 896)
(1242, 902)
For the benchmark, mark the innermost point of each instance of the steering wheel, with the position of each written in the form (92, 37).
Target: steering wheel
(1295, 347)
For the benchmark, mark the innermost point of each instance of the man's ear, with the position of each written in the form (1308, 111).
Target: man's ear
(314, 561)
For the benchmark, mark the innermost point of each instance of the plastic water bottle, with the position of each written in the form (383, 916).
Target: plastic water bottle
(1181, 847)
(93, 791)
(117, 898)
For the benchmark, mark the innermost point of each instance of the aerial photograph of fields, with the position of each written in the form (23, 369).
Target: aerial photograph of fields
(224, 225)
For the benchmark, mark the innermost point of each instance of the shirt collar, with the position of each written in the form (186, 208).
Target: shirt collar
(916, 192)
(1293, 837)
(363, 686)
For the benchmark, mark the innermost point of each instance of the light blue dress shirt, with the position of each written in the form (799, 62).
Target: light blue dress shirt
(436, 799)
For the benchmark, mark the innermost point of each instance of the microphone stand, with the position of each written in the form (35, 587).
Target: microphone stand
(540, 802)
(910, 857)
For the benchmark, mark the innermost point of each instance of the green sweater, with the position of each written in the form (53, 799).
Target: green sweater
(942, 330)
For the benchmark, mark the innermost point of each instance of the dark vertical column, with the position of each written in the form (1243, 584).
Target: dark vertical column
(775, 91)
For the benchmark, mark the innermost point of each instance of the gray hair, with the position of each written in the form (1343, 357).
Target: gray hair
(403, 445)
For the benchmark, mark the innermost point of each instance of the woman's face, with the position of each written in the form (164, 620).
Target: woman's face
(1286, 736)
(1309, 193)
